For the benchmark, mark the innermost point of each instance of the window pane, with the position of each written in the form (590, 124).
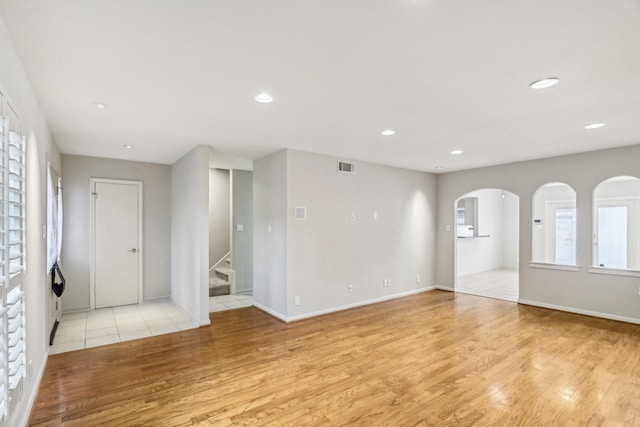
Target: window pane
(612, 237)
(566, 236)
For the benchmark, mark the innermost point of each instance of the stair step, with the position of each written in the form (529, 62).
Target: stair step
(215, 291)
(217, 281)
(218, 286)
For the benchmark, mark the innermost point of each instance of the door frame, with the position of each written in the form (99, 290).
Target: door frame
(92, 216)
(633, 223)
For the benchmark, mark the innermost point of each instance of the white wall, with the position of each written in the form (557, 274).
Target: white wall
(510, 231)
(588, 292)
(190, 234)
(156, 180)
(329, 251)
(40, 149)
(242, 259)
(270, 233)
(219, 215)
(498, 218)
(478, 254)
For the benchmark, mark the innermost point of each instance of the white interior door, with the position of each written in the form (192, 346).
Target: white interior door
(116, 243)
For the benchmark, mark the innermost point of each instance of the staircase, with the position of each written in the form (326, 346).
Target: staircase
(220, 278)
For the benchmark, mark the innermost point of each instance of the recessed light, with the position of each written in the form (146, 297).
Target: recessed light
(594, 125)
(388, 132)
(439, 167)
(101, 105)
(265, 98)
(128, 147)
(456, 152)
(544, 83)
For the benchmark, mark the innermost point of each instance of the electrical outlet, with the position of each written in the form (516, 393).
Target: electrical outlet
(30, 370)
(418, 279)
(375, 215)
(296, 300)
(388, 283)
(350, 288)
(353, 216)
(384, 283)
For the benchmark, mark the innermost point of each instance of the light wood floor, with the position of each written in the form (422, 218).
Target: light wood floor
(436, 358)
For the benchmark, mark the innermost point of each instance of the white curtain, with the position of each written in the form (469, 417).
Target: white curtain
(54, 218)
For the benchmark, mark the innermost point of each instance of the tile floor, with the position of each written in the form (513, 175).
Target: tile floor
(111, 325)
(228, 302)
(499, 284)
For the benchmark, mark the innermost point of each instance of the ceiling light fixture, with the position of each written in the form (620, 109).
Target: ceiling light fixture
(101, 105)
(456, 152)
(594, 125)
(128, 147)
(264, 98)
(388, 132)
(544, 83)
(439, 167)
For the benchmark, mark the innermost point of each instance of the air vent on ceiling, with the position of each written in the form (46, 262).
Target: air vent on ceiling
(346, 167)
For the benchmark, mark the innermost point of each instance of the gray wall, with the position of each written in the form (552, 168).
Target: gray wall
(605, 294)
(190, 234)
(219, 215)
(156, 181)
(318, 258)
(270, 233)
(242, 258)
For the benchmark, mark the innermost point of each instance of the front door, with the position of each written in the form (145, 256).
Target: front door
(116, 242)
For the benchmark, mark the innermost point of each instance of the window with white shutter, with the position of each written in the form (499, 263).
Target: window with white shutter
(12, 260)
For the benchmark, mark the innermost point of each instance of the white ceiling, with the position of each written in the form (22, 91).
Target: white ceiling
(444, 74)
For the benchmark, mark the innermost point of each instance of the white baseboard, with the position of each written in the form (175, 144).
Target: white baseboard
(244, 292)
(580, 311)
(445, 288)
(270, 311)
(357, 304)
(161, 298)
(26, 414)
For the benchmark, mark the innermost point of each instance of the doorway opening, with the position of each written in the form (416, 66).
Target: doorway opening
(487, 244)
(230, 239)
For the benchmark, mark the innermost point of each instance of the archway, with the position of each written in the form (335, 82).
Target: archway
(487, 244)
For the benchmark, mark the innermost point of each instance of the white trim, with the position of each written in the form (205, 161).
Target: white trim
(632, 203)
(357, 304)
(552, 266)
(614, 271)
(26, 413)
(92, 255)
(445, 288)
(154, 299)
(270, 311)
(580, 311)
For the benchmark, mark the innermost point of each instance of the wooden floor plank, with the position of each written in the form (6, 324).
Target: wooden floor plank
(436, 358)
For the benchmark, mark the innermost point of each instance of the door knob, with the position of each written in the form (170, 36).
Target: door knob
(134, 250)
